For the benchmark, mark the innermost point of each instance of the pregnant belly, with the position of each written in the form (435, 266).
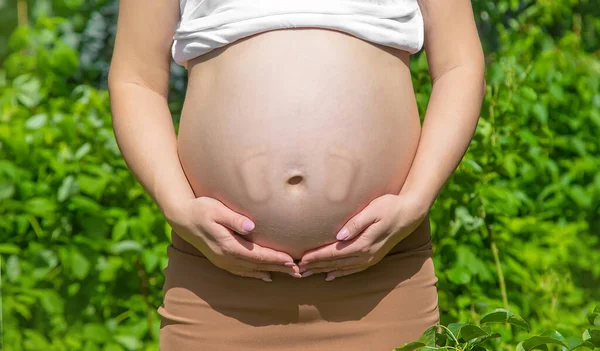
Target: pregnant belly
(298, 130)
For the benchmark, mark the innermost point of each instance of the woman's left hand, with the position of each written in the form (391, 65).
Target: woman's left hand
(367, 237)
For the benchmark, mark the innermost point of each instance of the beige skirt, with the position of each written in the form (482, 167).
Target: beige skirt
(385, 306)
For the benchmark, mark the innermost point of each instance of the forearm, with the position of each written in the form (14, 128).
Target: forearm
(146, 136)
(448, 126)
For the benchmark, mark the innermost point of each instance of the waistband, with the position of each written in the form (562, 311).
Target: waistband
(415, 240)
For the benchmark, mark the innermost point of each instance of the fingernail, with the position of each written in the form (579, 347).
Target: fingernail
(343, 234)
(306, 274)
(247, 225)
(304, 263)
(296, 275)
(267, 279)
(329, 278)
(289, 264)
(302, 269)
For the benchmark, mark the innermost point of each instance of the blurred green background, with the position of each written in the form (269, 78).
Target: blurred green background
(82, 246)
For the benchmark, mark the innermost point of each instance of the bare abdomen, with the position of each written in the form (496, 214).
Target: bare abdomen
(298, 130)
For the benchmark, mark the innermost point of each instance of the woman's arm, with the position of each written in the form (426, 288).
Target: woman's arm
(456, 66)
(138, 84)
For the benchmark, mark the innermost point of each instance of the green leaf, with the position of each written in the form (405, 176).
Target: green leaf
(483, 338)
(455, 329)
(113, 347)
(125, 246)
(109, 268)
(470, 331)
(74, 4)
(20, 38)
(36, 121)
(40, 206)
(7, 190)
(9, 249)
(429, 336)
(471, 165)
(68, 187)
(500, 315)
(574, 342)
(509, 165)
(80, 266)
(28, 90)
(528, 93)
(13, 268)
(51, 302)
(84, 204)
(128, 341)
(64, 59)
(82, 151)
(537, 341)
(580, 196)
(119, 230)
(541, 113)
(92, 186)
(410, 346)
(592, 336)
(150, 260)
(96, 332)
(468, 221)
(553, 334)
(594, 316)
(22, 309)
(458, 275)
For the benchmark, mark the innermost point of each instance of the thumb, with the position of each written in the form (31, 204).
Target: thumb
(356, 225)
(234, 221)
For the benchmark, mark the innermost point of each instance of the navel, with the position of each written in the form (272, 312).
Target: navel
(295, 180)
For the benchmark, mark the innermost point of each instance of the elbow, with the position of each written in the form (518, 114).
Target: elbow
(114, 79)
(110, 83)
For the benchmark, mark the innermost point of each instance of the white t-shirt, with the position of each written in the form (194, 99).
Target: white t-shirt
(209, 24)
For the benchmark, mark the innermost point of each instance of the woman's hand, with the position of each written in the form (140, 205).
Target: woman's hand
(213, 229)
(367, 237)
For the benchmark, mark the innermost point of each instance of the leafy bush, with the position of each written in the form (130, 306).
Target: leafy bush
(472, 337)
(82, 245)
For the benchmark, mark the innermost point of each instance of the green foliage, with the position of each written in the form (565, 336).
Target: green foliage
(82, 244)
(516, 228)
(471, 337)
(517, 225)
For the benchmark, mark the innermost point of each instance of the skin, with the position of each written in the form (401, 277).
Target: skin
(138, 85)
(456, 66)
(266, 131)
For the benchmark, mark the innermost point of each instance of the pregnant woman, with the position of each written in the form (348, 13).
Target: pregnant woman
(299, 184)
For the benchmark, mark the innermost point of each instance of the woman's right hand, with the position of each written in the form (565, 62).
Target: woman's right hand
(216, 231)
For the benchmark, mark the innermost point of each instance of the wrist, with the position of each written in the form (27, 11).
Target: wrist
(419, 201)
(174, 209)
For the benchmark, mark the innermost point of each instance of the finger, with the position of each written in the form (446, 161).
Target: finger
(334, 264)
(265, 276)
(247, 250)
(358, 223)
(233, 220)
(330, 252)
(340, 273)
